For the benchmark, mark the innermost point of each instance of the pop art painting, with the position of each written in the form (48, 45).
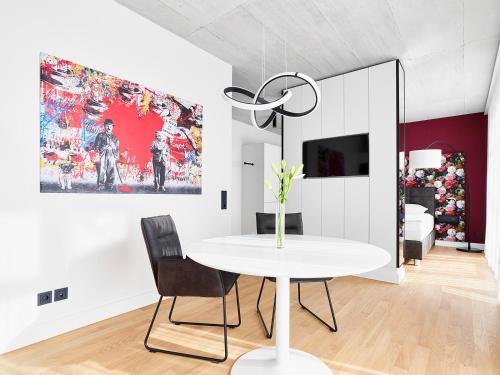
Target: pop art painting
(102, 134)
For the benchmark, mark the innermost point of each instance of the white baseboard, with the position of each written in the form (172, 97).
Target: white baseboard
(459, 244)
(42, 331)
(388, 274)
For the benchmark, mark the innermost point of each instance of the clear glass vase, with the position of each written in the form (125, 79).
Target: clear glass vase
(280, 225)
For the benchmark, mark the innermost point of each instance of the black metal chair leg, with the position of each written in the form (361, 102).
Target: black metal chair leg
(188, 355)
(225, 324)
(333, 328)
(269, 333)
(178, 322)
(151, 324)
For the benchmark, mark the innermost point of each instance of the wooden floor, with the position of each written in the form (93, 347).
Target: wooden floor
(442, 320)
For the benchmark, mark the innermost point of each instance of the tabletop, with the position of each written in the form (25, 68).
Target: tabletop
(302, 257)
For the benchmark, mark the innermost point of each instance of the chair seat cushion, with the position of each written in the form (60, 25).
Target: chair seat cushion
(299, 280)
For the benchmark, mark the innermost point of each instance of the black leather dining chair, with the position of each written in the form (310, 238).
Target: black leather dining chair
(176, 276)
(266, 224)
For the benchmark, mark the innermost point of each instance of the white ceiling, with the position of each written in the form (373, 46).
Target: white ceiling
(447, 47)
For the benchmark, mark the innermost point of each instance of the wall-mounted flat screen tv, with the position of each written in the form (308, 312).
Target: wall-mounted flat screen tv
(336, 157)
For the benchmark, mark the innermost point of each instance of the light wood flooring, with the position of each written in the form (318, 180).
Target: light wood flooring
(443, 319)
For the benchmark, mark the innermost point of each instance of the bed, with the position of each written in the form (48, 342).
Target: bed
(419, 228)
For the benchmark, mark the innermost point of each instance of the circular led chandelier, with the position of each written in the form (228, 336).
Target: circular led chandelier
(259, 103)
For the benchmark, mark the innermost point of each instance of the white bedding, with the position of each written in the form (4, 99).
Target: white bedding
(418, 226)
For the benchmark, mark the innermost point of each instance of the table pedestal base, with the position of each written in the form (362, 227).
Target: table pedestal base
(263, 361)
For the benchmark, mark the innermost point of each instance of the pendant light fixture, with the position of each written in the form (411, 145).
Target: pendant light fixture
(259, 103)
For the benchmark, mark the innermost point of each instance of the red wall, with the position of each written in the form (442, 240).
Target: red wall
(467, 134)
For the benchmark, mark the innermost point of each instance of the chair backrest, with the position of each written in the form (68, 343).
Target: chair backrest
(266, 223)
(161, 239)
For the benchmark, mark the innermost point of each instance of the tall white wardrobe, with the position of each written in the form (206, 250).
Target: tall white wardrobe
(357, 208)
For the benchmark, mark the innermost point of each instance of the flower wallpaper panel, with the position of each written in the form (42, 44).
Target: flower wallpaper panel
(449, 181)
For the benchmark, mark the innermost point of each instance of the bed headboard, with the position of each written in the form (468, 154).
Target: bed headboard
(425, 196)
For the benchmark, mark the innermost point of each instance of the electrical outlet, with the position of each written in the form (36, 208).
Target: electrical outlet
(44, 298)
(60, 294)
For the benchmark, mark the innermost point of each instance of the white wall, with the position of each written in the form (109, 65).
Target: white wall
(243, 134)
(93, 243)
(492, 242)
(361, 208)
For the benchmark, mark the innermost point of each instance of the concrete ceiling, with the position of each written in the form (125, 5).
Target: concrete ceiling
(447, 47)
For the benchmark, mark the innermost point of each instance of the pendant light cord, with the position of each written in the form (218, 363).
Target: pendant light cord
(263, 58)
(286, 66)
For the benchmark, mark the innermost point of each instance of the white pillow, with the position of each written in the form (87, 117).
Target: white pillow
(415, 209)
(414, 217)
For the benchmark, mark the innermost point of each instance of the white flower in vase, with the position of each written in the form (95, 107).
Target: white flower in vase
(285, 181)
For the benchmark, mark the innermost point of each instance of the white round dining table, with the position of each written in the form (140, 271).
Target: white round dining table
(302, 257)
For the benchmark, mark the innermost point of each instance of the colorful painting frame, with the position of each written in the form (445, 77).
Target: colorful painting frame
(103, 134)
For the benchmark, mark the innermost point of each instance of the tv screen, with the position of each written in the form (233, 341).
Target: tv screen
(336, 157)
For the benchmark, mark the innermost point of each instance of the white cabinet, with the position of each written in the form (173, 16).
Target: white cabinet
(292, 129)
(311, 124)
(383, 156)
(332, 210)
(361, 208)
(356, 102)
(255, 196)
(332, 110)
(292, 133)
(311, 206)
(357, 209)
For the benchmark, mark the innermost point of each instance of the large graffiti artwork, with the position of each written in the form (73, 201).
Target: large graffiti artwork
(99, 133)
